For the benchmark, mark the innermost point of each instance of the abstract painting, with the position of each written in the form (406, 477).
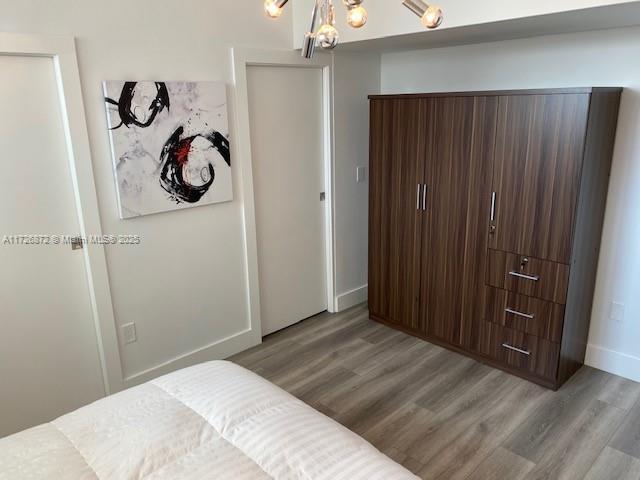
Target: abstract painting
(170, 145)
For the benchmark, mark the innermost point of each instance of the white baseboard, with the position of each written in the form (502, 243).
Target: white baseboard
(218, 350)
(352, 298)
(614, 362)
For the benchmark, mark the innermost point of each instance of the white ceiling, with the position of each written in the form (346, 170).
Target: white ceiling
(392, 27)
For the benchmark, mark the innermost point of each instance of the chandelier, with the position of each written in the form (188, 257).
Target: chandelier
(326, 35)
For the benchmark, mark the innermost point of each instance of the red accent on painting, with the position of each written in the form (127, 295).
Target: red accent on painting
(182, 153)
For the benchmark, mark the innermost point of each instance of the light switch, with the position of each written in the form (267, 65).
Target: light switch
(361, 174)
(129, 333)
(616, 312)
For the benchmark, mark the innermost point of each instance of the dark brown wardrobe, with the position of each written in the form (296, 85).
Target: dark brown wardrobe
(485, 220)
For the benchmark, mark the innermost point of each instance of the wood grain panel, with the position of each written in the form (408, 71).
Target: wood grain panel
(502, 464)
(444, 274)
(553, 278)
(539, 148)
(396, 170)
(491, 339)
(454, 241)
(613, 464)
(547, 316)
(626, 440)
(500, 93)
(594, 184)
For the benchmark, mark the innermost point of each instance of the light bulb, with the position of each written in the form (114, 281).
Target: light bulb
(357, 17)
(272, 9)
(432, 18)
(327, 36)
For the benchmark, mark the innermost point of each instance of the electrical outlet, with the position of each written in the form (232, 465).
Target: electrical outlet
(129, 333)
(616, 312)
(361, 174)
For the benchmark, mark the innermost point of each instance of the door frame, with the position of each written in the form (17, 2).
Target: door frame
(241, 59)
(61, 49)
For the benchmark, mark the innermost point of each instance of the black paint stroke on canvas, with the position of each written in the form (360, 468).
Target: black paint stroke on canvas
(127, 116)
(175, 157)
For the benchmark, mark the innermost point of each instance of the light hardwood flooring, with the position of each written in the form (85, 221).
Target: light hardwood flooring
(445, 416)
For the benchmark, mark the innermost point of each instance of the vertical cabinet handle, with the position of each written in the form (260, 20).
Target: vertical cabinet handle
(492, 224)
(418, 197)
(424, 197)
(493, 206)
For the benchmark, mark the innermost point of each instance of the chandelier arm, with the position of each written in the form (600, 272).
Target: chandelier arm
(314, 16)
(309, 42)
(416, 6)
(327, 36)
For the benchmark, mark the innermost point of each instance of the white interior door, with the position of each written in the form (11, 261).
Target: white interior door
(49, 361)
(286, 122)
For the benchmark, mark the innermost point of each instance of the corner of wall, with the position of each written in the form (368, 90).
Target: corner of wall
(352, 298)
(356, 75)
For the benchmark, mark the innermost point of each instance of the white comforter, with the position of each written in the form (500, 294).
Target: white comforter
(212, 421)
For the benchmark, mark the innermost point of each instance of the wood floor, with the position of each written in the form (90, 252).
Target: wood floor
(444, 416)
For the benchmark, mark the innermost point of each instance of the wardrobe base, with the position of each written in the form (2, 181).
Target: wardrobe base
(467, 353)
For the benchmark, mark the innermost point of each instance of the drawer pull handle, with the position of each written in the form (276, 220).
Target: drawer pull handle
(533, 278)
(509, 347)
(519, 314)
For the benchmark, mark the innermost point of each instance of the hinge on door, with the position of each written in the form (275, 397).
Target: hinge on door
(77, 243)
(323, 196)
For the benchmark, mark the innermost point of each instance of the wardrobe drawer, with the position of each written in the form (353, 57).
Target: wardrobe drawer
(528, 276)
(533, 316)
(515, 349)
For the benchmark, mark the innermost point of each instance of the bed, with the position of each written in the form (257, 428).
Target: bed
(211, 421)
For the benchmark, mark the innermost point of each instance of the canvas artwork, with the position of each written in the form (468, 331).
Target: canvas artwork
(170, 145)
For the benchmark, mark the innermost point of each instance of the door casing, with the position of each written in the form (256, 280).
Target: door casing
(61, 49)
(286, 134)
(243, 57)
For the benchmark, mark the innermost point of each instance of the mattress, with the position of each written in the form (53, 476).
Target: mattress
(211, 421)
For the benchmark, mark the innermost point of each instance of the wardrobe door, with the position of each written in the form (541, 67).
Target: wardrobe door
(539, 148)
(395, 216)
(458, 175)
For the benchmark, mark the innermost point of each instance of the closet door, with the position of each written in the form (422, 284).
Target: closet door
(395, 218)
(454, 243)
(539, 148)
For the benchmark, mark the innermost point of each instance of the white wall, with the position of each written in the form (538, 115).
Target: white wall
(356, 76)
(185, 286)
(389, 17)
(603, 58)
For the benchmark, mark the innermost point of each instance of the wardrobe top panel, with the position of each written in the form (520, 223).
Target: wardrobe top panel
(500, 93)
